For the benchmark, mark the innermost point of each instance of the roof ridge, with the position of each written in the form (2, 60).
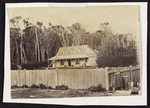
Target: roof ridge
(73, 46)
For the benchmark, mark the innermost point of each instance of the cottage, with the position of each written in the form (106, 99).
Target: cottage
(75, 56)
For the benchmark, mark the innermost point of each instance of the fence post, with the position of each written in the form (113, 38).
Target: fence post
(130, 73)
(107, 78)
(47, 77)
(25, 75)
(56, 77)
(19, 78)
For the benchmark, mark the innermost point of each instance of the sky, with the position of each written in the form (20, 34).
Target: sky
(122, 19)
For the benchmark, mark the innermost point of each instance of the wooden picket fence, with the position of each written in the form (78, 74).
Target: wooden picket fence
(75, 78)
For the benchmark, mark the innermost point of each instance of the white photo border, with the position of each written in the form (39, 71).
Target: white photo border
(111, 100)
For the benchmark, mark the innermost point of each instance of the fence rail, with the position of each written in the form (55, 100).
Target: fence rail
(76, 78)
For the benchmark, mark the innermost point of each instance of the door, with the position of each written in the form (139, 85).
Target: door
(69, 62)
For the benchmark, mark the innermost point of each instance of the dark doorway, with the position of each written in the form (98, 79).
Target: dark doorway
(69, 62)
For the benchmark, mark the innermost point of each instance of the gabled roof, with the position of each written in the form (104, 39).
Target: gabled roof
(73, 52)
(72, 56)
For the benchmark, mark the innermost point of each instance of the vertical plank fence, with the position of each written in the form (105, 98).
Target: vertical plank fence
(73, 78)
(76, 78)
(121, 78)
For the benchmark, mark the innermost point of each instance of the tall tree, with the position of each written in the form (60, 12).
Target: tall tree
(62, 33)
(115, 49)
(15, 34)
(78, 33)
(32, 30)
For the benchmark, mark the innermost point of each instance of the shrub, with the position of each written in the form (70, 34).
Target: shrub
(42, 86)
(13, 67)
(14, 86)
(122, 59)
(61, 87)
(34, 86)
(24, 86)
(34, 65)
(98, 88)
(49, 87)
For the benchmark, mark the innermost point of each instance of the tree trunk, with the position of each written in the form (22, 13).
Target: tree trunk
(38, 47)
(17, 51)
(35, 45)
(22, 60)
(42, 54)
(24, 56)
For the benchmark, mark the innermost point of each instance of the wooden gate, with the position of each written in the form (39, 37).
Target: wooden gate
(122, 78)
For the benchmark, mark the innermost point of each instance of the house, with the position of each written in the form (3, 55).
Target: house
(74, 56)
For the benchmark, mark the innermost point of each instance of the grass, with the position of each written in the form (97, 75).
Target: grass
(51, 93)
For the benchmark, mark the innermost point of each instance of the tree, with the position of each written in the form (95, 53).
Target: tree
(97, 39)
(78, 33)
(33, 30)
(49, 42)
(33, 42)
(14, 38)
(62, 33)
(116, 49)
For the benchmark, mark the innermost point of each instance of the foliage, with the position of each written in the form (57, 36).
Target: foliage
(42, 86)
(32, 43)
(61, 87)
(14, 86)
(123, 59)
(98, 88)
(34, 86)
(116, 50)
(24, 86)
(50, 87)
(34, 65)
(13, 66)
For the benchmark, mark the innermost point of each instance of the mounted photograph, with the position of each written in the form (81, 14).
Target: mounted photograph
(67, 52)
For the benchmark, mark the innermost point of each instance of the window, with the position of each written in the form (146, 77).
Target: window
(81, 59)
(77, 61)
(62, 62)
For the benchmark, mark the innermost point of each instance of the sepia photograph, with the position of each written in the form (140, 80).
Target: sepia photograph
(68, 52)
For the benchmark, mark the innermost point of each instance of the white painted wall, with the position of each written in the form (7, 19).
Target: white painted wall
(90, 62)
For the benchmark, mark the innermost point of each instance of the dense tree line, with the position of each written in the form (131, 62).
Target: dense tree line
(34, 42)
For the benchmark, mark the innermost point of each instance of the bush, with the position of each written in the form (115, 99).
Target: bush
(42, 86)
(14, 86)
(13, 67)
(49, 87)
(123, 59)
(24, 86)
(34, 65)
(34, 86)
(61, 87)
(98, 88)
